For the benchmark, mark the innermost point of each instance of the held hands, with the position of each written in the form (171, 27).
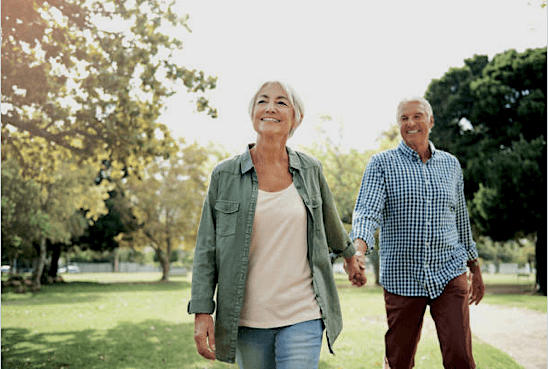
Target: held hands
(355, 268)
(204, 335)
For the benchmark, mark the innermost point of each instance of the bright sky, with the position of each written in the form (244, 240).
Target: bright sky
(352, 60)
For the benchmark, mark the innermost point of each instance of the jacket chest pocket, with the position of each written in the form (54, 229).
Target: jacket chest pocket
(314, 205)
(227, 215)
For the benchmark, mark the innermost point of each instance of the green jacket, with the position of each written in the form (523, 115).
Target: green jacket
(224, 236)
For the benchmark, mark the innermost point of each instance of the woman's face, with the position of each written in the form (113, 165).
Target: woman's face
(273, 113)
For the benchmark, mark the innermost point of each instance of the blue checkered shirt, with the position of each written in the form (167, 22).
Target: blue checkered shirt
(425, 236)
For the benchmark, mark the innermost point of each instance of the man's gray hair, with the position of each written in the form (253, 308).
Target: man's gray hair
(296, 102)
(421, 100)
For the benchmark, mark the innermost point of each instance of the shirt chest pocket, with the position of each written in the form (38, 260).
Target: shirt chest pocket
(227, 215)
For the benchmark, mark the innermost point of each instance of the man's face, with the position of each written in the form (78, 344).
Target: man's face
(415, 125)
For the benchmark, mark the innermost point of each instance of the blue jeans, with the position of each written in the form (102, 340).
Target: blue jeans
(295, 346)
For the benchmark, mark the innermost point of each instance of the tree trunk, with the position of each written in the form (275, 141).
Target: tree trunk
(116, 260)
(167, 255)
(540, 251)
(56, 254)
(165, 269)
(36, 283)
(164, 263)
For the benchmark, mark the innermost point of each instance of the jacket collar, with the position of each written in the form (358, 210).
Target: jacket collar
(246, 163)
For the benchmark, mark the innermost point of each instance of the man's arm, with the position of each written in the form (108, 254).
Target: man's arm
(477, 288)
(369, 206)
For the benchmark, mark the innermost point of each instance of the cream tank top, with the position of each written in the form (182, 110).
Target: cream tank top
(279, 288)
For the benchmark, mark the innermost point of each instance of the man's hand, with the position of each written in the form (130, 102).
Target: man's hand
(204, 335)
(477, 288)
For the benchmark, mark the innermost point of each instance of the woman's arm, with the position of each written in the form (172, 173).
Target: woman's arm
(204, 277)
(338, 239)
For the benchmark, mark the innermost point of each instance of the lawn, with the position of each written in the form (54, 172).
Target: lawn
(512, 291)
(132, 321)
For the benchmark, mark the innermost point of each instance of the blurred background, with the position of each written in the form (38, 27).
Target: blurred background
(115, 112)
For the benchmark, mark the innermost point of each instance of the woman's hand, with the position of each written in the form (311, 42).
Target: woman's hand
(355, 268)
(204, 335)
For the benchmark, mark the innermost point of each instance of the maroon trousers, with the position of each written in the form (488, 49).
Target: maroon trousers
(451, 314)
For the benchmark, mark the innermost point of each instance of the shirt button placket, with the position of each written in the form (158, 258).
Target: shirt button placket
(427, 224)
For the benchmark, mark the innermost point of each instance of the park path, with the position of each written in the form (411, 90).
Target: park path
(521, 333)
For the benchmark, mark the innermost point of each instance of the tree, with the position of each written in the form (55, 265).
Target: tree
(20, 213)
(492, 115)
(52, 213)
(167, 203)
(89, 79)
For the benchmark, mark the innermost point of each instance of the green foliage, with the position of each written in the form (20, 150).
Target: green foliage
(521, 252)
(134, 256)
(21, 212)
(492, 116)
(100, 236)
(483, 107)
(79, 255)
(47, 214)
(89, 79)
(507, 205)
(31, 210)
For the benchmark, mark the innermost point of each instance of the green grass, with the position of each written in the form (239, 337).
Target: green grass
(512, 291)
(93, 322)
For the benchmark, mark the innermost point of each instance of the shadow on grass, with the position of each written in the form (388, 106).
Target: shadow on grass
(149, 344)
(78, 292)
(510, 289)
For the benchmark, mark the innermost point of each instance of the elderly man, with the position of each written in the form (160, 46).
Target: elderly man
(414, 193)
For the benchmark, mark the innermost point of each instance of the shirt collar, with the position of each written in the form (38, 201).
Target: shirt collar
(412, 153)
(247, 163)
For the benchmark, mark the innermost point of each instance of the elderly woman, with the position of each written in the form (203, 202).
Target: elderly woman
(267, 229)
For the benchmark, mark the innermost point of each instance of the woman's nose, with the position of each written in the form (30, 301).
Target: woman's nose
(270, 106)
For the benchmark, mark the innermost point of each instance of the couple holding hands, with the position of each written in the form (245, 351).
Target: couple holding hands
(269, 224)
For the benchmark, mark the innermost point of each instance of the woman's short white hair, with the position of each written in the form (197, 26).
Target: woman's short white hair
(421, 100)
(296, 102)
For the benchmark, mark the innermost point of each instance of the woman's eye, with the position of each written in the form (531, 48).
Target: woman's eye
(260, 101)
(282, 103)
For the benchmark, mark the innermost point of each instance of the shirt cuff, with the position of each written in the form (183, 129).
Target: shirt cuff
(472, 254)
(369, 241)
